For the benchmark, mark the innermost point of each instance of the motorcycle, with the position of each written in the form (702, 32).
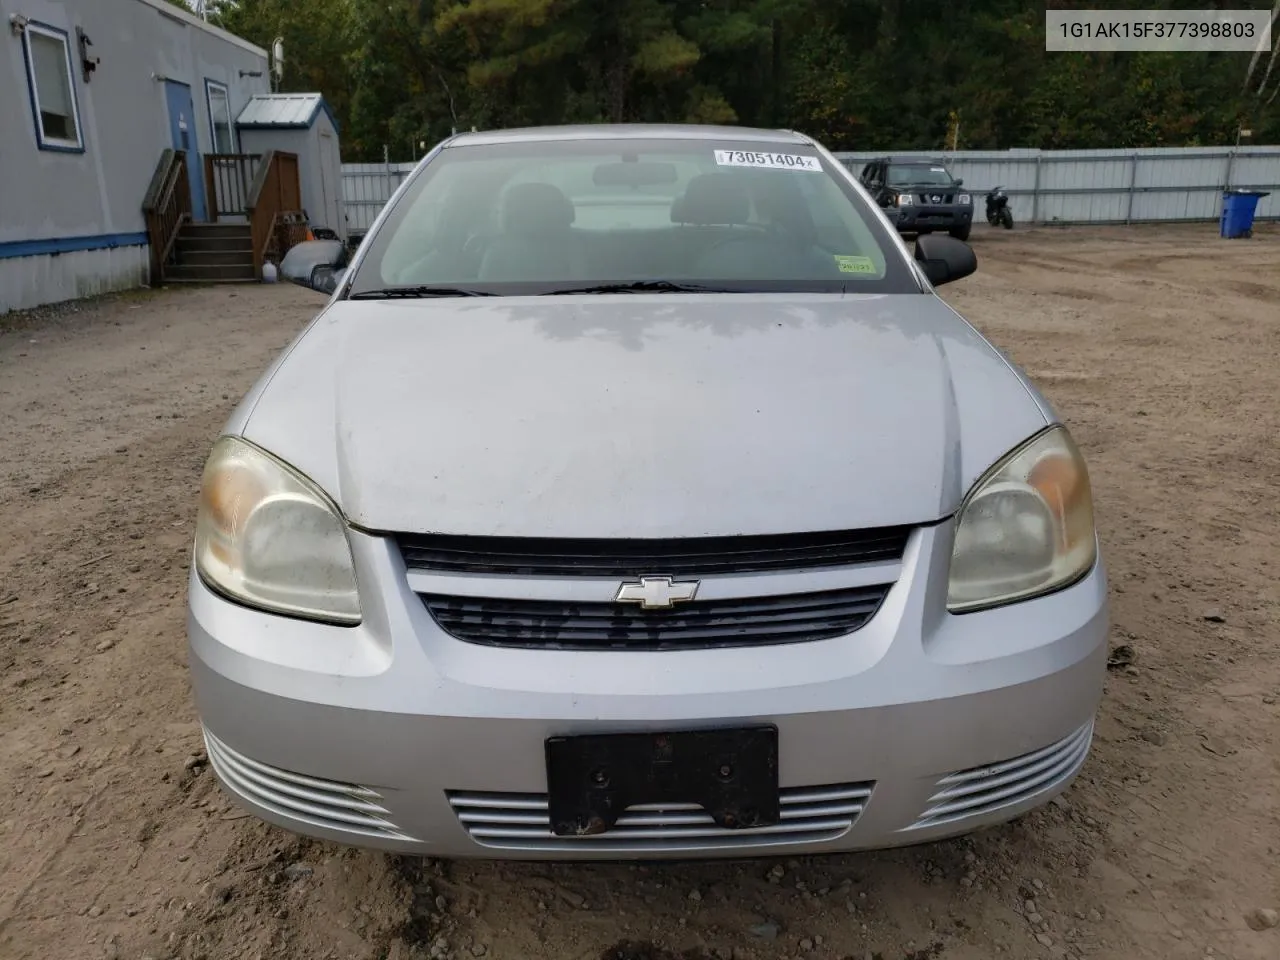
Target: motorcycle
(998, 211)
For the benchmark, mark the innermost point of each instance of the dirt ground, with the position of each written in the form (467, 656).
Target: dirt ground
(1161, 348)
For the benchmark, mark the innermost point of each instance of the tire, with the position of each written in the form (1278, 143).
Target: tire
(1006, 218)
(961, 233)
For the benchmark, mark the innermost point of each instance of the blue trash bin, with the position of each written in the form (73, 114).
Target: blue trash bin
(1238, 208)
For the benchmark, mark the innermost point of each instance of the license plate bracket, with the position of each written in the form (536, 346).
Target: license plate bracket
(730, 773)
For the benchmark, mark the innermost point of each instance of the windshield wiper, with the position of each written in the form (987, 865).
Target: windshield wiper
(409, 293)
(640, 286)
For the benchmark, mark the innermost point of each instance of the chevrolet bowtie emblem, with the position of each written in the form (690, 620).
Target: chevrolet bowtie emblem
(656, 593)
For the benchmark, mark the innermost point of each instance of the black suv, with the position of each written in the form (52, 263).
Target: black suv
(919, 196)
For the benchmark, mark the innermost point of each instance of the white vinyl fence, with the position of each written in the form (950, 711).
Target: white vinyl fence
(1044, 186)
(1111, 186)
(366, 187)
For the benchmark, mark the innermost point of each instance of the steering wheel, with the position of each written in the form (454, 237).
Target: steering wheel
(476, 245)
(772, 232)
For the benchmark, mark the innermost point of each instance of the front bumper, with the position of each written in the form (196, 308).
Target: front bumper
(932, 216)
(395, 735)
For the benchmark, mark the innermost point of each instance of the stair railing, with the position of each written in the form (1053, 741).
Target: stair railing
(227, 178)
(166, 206)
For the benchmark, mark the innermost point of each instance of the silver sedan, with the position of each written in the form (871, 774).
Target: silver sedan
(635, 495)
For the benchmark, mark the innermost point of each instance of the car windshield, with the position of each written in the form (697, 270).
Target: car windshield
(528, 217)
(919, 173)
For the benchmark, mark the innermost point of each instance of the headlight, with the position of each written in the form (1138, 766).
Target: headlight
(904, 200)
(965, 198)
(268, 537)
(1026, 528)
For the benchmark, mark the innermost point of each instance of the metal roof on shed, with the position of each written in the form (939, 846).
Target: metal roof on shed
(296, 111)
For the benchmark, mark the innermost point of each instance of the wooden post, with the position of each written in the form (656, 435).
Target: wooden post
(1133, 181)
(211, 187)
(1035, 191)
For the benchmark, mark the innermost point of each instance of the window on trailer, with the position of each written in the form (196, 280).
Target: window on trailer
(220, 118)
(48, 55)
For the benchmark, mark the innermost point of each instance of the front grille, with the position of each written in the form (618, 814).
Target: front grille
(329, 804)
(927, 198)
(694, 556)
(984, 790)
(556, 624)
(515, 821)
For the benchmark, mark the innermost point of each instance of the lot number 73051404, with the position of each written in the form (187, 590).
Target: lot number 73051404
(777, 161)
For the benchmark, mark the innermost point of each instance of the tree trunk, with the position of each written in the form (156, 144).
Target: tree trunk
(775, 75)
(617, 76)
(1257, 55)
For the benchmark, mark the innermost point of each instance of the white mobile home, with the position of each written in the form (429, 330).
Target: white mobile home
(101, 89)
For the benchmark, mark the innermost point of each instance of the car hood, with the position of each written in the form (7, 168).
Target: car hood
(641, 415)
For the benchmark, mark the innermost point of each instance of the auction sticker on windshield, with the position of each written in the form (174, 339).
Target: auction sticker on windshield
(777, 161)
(848, 264)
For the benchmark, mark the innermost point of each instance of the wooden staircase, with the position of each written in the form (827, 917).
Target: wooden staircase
(265, 190)
(212, 253)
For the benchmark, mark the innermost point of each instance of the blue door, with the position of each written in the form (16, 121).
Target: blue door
(182, 131)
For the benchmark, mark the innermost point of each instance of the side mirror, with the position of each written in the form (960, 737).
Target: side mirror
(944, 258)
(318, 264)
(959, 181)
(325, 279)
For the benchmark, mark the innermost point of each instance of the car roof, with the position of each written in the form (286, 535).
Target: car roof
(631, 131)
(912, 161)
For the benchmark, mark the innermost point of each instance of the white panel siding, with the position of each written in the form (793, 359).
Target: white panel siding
(366, 187)
(1111, 186)
(1064, 186)
(49, 278)
(1259, 172)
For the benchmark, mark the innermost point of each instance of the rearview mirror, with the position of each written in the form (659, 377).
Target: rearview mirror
(945, 259)
(959, 181)
(634, 174)
(318, 264)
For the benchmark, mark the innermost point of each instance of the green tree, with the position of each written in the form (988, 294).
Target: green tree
(319, 38)
(409, 83)
(858, 74)
(591, 59)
